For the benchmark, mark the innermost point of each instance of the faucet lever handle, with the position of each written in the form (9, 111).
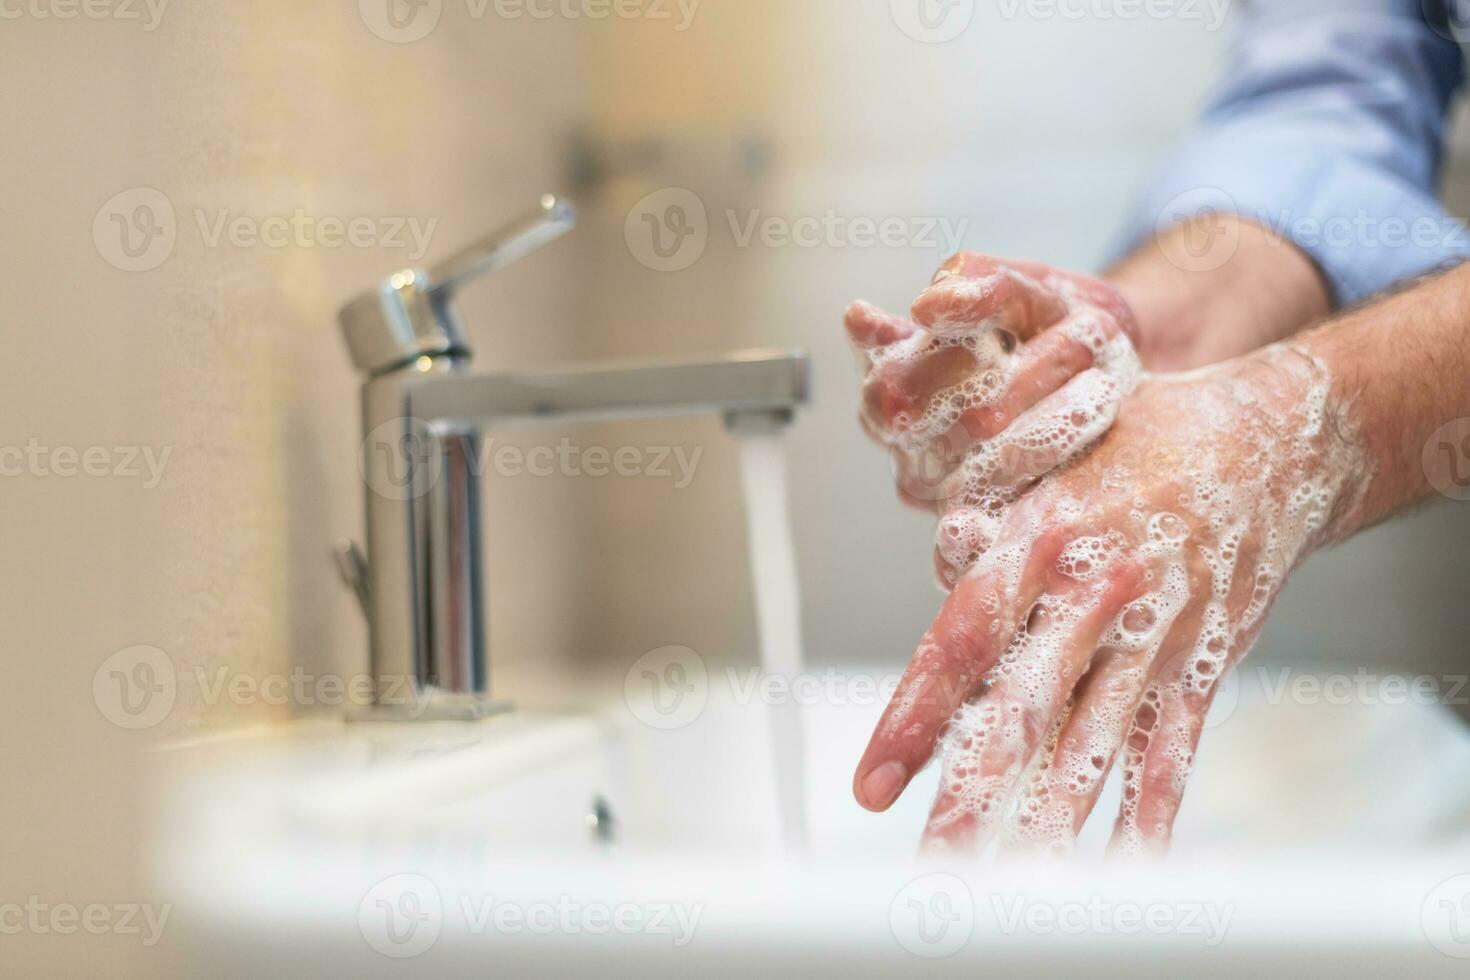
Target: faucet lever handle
(411, 313)
(552, 218)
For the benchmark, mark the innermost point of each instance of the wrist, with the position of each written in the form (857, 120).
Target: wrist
(1397, 384)
(1215, 288)
(1340, 461)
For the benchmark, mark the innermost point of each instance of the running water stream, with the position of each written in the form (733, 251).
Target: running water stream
(778, 614)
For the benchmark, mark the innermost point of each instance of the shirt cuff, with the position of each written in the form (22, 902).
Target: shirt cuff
(1365, 228)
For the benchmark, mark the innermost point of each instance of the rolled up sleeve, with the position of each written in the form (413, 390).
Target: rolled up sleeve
(1328, 130)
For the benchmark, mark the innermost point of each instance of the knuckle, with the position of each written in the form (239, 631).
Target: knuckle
(968, 637)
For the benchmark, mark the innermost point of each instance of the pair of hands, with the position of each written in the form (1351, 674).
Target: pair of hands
(1111, 542)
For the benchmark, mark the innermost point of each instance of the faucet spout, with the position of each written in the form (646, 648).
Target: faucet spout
(424, 467)
(745, 382)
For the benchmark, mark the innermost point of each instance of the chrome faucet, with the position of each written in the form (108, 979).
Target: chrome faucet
(421, 583)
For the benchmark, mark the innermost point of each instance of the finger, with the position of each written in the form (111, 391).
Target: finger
(1064, 786)
(868, 326)
(978, 265)
(974, 292)
(1034, 405)
(938, 402)
(1159, 753)
(1163, 737)
(1040, 368)
(896, 390)
(977, 493)
(1166, 729)
(967, 638)
(1074, 288)
(964, 534)
(898, 394)
(992, 740)
(1052, 434)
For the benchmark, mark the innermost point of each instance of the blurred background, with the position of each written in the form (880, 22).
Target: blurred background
(1018, 135)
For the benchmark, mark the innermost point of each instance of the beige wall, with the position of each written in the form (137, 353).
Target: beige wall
(228, 352)
(228, 358)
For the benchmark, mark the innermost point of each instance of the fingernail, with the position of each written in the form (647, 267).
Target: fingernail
(881, 786)
(934, 287)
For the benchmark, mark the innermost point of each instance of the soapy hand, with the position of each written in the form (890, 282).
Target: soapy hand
(1007, 371)
(1114, 596)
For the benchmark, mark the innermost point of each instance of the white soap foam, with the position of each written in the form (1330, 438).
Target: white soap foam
(1222, 543)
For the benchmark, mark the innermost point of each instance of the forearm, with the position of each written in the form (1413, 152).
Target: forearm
(1400, 372)
(1210, 290)
(1325, 133)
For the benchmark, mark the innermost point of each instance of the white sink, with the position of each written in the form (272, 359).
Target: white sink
(1329, 837)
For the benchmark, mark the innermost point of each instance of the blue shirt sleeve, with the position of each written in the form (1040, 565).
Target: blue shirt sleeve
(1327, 130)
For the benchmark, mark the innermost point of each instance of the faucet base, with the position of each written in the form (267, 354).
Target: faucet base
(431, 707)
